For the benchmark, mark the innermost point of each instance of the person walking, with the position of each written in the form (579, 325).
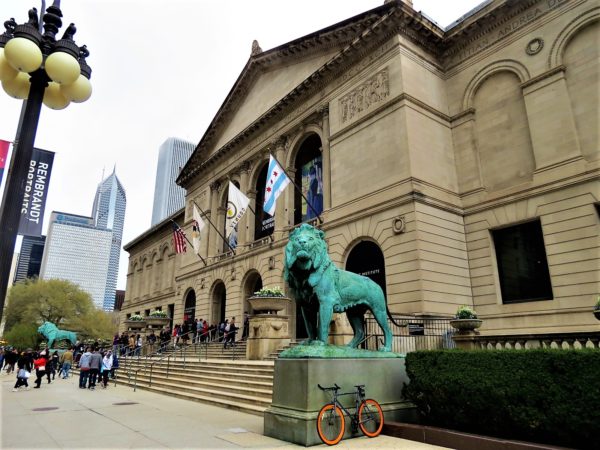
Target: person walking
(52, 366)
(131, 344)
(230, 333)
(66, 360)
(39, 364)
(115, 366)
(23, 371)
(176, 333)
(139, 343)
(116, 342)
(95, 364)
(10, 360)
(151, 340)
(84, 368)
(107, 364)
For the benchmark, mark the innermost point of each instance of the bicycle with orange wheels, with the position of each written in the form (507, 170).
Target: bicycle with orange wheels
(366, 415)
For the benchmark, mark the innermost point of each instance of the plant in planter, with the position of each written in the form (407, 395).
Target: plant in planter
(465, 319)
(135, 318)
(597, 308)
(157, 319)
(269, 300)
(158, 314)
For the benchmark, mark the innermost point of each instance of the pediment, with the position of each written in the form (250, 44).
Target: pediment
(268, 88)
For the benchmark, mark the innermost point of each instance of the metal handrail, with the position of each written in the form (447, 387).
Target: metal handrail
(168, 357)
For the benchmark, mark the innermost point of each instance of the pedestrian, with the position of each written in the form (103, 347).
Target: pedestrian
(66, 360)
(10, 360)
(131, 345)
(246, 330)
(124, 343)
(95, 365)
(138, 345)
(84, 368)
(176, 333)
(52, 366)
(115, 366)
(185, 332)
(151, 340)
(226, 328)
(39, 364)
(205, 336)
(116, 342)
(23, 371)
(107, 363)
(230, 330)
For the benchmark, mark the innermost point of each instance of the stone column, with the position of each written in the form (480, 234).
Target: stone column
(251, 221)
(220, 224)
(280, 209)
(213, 237)
(243, 225)
(326, 160)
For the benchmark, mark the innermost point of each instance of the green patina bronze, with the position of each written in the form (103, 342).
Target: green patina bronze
(320, 288)
(334, 351)
(52, 333)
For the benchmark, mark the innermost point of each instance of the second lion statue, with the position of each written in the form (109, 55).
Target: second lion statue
(321, 288)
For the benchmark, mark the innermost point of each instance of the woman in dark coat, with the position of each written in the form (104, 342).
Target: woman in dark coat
(23, 364)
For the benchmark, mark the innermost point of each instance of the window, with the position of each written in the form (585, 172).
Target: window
(309, 177)
(522, 264)
(146, 313)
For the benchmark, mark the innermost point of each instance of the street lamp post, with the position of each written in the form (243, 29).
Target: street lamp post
(40, 69)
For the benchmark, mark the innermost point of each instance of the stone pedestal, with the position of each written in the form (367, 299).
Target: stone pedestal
(267, 333)
(297, 399)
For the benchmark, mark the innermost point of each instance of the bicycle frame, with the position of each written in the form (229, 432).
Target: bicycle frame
(359, 397)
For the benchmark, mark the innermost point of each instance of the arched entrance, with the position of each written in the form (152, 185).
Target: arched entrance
(218, 303)
(309, 176)
(189, 310)
(253, 283)
(366, 258)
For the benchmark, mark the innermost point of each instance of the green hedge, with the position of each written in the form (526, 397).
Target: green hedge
(543, 396)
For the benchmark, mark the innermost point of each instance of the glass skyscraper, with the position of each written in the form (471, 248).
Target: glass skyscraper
(108, 213)
(79, 252)
(168, 196)
(30, 257)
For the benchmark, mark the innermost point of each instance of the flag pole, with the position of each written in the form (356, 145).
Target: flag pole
(192, 245)
(298, 189)
(213, 225)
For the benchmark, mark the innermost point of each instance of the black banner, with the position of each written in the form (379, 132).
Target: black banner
(36, 191)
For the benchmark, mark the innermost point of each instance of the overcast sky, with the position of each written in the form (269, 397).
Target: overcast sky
(161, 68)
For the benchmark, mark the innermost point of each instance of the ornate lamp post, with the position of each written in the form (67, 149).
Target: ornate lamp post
(38, 68)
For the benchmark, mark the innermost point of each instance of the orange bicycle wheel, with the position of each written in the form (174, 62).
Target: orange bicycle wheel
(331, 424)
(370, 418)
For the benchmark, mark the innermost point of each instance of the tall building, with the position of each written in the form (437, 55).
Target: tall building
(78, 251)
(108, 213)
(168, 196)
(30, 258)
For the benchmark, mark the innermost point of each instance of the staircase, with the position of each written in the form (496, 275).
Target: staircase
(219, 380)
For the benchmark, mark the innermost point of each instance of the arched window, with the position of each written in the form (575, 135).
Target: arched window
(366, 258)
(218, 303)
(309, 177)
(264, 224)
(189, 311)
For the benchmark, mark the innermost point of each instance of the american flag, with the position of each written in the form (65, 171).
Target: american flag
(178, 239)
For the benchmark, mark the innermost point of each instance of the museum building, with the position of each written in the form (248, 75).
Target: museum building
(455, 166)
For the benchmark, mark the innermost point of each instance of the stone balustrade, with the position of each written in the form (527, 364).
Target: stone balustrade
(567, 341)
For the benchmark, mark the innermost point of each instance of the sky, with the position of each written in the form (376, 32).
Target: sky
(160, 68)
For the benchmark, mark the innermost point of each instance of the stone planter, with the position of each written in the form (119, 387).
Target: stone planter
(157, 322)
(466, 325)
(135, 324)
(597, 314)
(268, 305)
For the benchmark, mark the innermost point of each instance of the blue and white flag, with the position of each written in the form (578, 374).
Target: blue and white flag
(277, 181)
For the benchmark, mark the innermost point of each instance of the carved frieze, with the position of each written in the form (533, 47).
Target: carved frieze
(371, 92)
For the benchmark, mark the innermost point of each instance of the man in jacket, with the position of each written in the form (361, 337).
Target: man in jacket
(95, 364)
(66, 360)
(84, 368)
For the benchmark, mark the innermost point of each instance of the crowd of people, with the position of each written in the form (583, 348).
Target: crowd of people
(95, 364)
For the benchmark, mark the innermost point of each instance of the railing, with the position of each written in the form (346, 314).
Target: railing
(567, 341)
(414, 333)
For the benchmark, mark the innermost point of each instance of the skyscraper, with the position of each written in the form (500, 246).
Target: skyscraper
(30, 257)
(79, 252)
(168, 196)
(108, 213)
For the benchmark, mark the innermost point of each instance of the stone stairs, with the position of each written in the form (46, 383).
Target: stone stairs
(212, 350)
(236, 384)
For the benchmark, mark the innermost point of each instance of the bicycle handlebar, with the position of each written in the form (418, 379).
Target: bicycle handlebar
(335, 387)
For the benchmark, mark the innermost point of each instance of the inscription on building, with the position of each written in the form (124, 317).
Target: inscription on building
(369, 93)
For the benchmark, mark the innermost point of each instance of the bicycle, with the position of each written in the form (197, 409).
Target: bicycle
(331, 424)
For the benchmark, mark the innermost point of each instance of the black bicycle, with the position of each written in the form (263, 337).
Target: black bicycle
(331, 423)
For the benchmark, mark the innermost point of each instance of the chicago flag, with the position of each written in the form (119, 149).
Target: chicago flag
(3, 154)
(277, 181)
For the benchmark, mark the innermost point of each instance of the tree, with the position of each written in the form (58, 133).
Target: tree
(23, 336)
(58, 301)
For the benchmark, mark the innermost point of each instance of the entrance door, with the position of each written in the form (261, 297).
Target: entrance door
(189, 311)
(366, 258)
(218, 304)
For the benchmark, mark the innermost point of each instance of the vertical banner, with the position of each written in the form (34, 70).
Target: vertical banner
(4, 146)
(36, 191)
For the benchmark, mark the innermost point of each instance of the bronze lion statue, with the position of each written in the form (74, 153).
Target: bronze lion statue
(52, 333)
(320, 288)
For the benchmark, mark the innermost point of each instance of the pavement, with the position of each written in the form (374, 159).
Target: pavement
(60, 415)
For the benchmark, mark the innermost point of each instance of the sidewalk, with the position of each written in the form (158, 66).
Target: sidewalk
(60, 415)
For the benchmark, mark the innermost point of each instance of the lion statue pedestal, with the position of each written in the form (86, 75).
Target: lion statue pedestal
(267, 333)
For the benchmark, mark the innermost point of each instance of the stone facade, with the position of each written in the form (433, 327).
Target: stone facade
(430, 141)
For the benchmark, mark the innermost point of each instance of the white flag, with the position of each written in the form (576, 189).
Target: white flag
(277, 181)
(197, 226)
(237, 203)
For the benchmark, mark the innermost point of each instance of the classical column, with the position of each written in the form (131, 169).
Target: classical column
(280, 209)
(213, 237)
(220, 224)
(326, 160)
(251, 220)
(204, 234)
(243, 225)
